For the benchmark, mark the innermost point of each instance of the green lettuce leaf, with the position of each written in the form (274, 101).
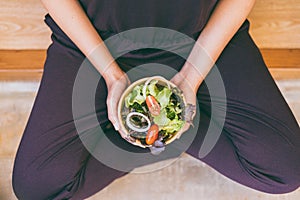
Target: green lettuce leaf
(163, 97)
(134, 96)
(173, 126)
(162, 119)
(152, 89)
(171, 112)
(170, 126)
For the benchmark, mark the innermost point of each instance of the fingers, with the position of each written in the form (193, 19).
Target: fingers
(114, 94)
(112, 106)
(190, 98)
(112, 112)
(184, 129)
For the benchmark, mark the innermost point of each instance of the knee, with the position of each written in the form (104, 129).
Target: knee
(284, 178)
(33, 183)
(283, 188)
(284, 168)
(290, 170)
(22, 185)
(290, 181)
(30, 184)
(274, 184)
(26, 184)
(275, 173)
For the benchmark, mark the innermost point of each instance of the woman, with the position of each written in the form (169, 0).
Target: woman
(260, 141)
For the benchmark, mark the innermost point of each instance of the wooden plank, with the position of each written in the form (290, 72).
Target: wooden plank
(276, 24)
(34, 59)
(285, 74)
(22, 59)
(35, 75)
(19, 75)
(28, 64)
(287, 58)
(23, 65)
(22, 25)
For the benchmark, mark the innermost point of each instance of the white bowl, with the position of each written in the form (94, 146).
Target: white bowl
(121, 105)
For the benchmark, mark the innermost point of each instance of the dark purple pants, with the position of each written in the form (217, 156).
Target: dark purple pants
(259, 146)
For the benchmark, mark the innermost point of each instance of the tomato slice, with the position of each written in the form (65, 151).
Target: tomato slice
(153, 105)
(152, 134)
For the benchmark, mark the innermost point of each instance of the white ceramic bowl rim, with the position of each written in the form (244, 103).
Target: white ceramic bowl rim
(121, 104)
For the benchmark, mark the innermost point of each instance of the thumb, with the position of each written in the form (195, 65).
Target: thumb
(112, 112)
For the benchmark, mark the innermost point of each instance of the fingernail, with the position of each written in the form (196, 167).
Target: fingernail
(116, 127)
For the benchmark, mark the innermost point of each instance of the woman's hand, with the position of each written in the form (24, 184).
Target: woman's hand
(183, 80)
(117, 81)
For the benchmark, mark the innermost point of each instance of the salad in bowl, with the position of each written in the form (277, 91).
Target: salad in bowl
(152, 113)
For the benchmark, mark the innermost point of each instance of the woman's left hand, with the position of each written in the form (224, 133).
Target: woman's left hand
(189, 90)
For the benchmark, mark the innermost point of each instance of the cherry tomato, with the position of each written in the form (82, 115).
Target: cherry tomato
(153, 105)
(152, 134)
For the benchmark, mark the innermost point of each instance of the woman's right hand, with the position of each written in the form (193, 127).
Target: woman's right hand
(117, 81)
